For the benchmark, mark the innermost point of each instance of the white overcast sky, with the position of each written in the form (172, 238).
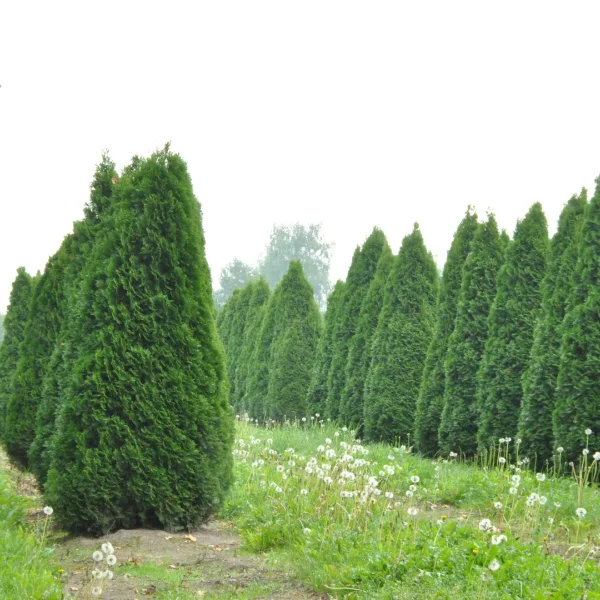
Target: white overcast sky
(352, 114)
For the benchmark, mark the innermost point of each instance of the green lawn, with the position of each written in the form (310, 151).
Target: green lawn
(378, 522)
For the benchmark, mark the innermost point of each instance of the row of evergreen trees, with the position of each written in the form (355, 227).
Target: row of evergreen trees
(113, 385)
(504, 345)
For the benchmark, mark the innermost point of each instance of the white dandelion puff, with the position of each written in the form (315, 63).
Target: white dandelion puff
(494, 565)
(48, 510)
(581, 512)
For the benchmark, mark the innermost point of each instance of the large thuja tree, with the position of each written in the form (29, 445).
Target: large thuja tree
(510, 329)
(359, 354)
(431, 394)
(317, 390)
(77, 249)
(14, 332)
(577, 397)
(254, 318)
(401, 340)
(360, 275)
(145, 429)
(46, 316)
(294, 347)
(458, 422)
(539, 380)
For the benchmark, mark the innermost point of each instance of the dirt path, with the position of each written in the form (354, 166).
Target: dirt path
(204, 564)
(209, 563)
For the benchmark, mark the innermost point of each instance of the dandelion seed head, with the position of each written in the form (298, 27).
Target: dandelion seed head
(48, 510)
(413, 511)
(497, 505)
(97, 556)
(581, 512)
(494, 565)
(485, 524)
(588, 431)
(415, 479)
(540, 476)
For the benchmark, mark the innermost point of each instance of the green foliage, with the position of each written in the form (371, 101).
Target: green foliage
(359, 354)
(260, 362)
(225, 317)
(579, 377)
(317, 391)
(458, 424)
(76, 249)
(298, 242)
(235, 341)
(361, 273)
(41, 333)
(14, 324)
(233, 276)
(1, 327)
(510, 329)
(539, 380)
(294, 346)
(144, 430)
(254, 319)
(431, 394)
(403, 334)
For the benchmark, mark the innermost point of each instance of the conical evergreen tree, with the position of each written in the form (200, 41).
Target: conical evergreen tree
(294, 347)
(260, 362)
(577, 397)
(431, 395)
(41, 333)
(225, 320)
(359, 355)
(317, 391)
(15, 322)
(145, 428)
(77, 249)
(360, 275)
(458, 425)
(403, 334)
(539, 380)
(510, 329)
(236, 340)
(256, 314)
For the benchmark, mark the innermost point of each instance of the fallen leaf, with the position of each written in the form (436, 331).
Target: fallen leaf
(169, 537)
(173, 567)
(190, 537)
(73, 589)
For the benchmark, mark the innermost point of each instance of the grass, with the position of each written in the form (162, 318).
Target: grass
(26, 564)
(360, 521)
(346, 519)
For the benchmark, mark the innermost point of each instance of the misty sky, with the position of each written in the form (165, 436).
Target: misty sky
(352, 114)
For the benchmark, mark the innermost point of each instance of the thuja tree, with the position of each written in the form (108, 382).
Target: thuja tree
(401, 340)
(360, 275)
(145, 429)
(317, 390)
(539, 380)
(431, 395)
(254, 319)
(359, 355)
(458, 422)
(235, 341)
(77, 248)
(225, 319)
(510, 329)
(260, 362)
(577, 405)
(14, 332)
(294, 347)
(41, 334)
